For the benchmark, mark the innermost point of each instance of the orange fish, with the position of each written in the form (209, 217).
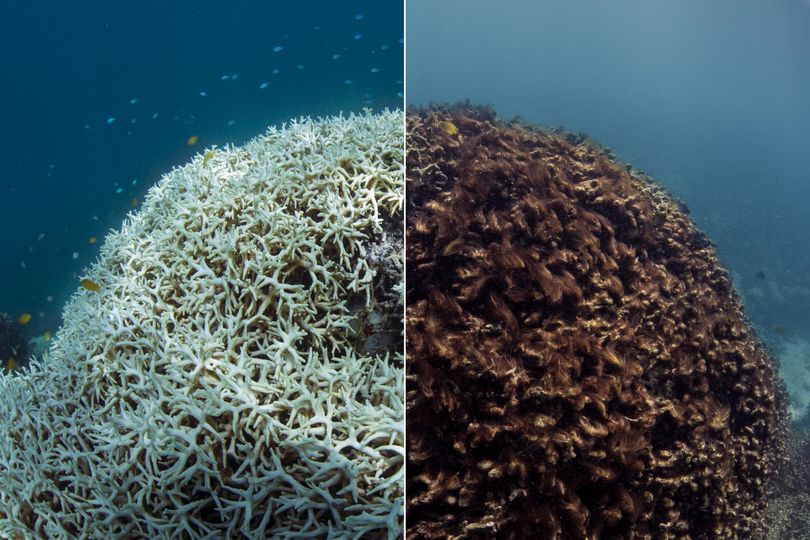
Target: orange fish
(134, 202)
(192, 140)
(90, 285)
(24, 318)
(92, 239)
(11, 364)
(46, 336)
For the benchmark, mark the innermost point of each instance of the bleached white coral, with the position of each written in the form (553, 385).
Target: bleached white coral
(219, 383)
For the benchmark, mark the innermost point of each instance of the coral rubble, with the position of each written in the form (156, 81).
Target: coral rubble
(578, 363)
(789, 508)
(233, 375)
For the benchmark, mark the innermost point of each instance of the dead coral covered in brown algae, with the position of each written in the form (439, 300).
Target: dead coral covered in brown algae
(578, 363)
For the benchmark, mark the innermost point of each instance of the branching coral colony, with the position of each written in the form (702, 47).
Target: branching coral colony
(578, 363)
(239, 372)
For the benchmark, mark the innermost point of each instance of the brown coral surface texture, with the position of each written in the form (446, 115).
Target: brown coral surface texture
(579, 365)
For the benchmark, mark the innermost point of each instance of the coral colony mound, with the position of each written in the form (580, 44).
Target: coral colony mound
(232, 367)
(578, 363)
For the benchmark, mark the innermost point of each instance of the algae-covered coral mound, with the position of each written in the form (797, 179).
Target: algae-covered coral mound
(237, 372)
(578, 363)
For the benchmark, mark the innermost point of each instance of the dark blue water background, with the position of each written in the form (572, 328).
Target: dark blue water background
(67, 67)
(711, 98)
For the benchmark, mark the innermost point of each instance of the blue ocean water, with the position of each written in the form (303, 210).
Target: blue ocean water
(99, 99)
(710, 98)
